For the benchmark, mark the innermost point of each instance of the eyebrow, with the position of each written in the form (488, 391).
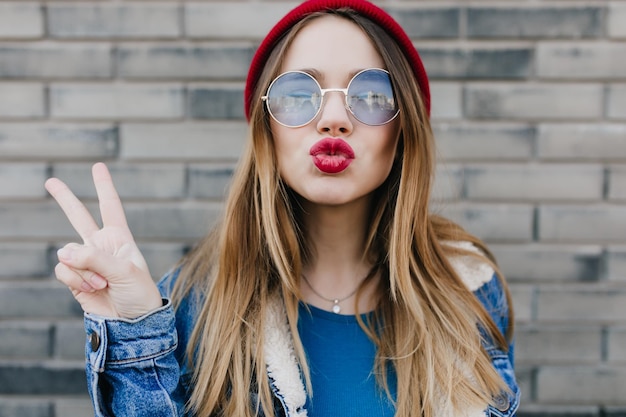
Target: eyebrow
(319, 76)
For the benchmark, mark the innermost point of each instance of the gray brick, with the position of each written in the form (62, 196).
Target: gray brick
(213, 141)
(35, 220)
(448, 183)
(617, 101)
(447, 100)
(617, 344)
(581, 384)
(532, 182)
(484, 142)
(423, 22)
(73, 407)
(474, 63)
(616, 19)
(616, 263)
(228, 20)
(55, 60)
(523, 301)
(46, 379)
(24, 340)
(69, 340)
(21, 20)
(161, 257)
(494, 222)
(51, 141)
(535, 22)
(167, 221)
(524, 377)
(617, 182)
(172, 222)
(139, 20)
(581, 61)
(25, 407)
(545, 263)
(48, 301)
(25, 180)
(614, 411)
(132, 181)
(556, 344)
(538, 102)
(19, 259)
(167, 61)
(580, 305)
(589, 142)
(210, 181)
(22, 100)
(120, 102)
(216, 102)
(588, 223)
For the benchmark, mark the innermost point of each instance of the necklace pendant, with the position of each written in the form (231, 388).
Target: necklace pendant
(336, 307)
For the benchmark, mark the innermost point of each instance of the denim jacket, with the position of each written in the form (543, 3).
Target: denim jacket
(137, 367)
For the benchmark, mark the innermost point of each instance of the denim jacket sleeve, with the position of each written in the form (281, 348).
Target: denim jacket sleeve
(493, 298)
(134, 367)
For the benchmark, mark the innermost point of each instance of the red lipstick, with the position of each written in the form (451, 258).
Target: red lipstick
(332, 155)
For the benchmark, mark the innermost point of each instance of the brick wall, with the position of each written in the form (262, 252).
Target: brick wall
(529, 109)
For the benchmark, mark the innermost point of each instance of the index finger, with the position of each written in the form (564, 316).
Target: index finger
(74, 210)
(111, 209)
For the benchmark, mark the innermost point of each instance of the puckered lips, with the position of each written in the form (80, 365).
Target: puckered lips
(332, 155)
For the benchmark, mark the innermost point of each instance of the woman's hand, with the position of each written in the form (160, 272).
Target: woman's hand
(107, 274)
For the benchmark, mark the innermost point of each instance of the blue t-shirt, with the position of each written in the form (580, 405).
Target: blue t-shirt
(341, 361)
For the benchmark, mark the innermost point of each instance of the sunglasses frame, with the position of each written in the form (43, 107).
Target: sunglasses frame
(323, 92)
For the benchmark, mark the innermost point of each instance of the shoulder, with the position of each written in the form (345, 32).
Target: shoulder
(474, 271)
(480, 278)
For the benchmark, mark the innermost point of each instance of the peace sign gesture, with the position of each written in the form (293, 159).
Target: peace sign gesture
(107, 274)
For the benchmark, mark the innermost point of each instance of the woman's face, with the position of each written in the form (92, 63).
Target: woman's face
(335, 159)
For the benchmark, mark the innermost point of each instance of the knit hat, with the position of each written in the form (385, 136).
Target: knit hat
(363, 7)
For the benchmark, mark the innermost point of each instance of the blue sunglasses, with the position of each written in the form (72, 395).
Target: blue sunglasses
(295, 98)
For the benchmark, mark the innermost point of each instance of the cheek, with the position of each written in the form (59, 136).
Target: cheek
(288, 155)
(390, 150)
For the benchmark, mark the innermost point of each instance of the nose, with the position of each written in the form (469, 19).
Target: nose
(334, 118)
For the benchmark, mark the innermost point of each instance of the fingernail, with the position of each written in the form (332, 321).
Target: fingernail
(65, 254)
(97, 281)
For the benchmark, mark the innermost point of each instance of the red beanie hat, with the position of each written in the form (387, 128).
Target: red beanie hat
(363, 7)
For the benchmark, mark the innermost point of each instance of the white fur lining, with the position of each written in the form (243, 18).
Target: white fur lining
(476, 413)
(282, 366)
(472, 271)
(470, 413)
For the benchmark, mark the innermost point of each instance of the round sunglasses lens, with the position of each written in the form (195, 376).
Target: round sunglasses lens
(294, 98)
(371, 99)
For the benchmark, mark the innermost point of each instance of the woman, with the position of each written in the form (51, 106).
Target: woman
(328, 288)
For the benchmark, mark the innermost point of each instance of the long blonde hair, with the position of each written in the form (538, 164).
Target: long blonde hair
(425, 325)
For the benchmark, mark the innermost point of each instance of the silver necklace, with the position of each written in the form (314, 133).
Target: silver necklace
(336, 307)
